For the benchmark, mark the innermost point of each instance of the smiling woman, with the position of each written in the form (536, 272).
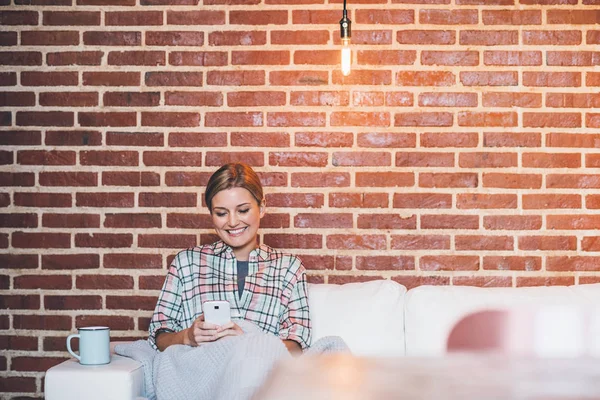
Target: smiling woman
(262, 285)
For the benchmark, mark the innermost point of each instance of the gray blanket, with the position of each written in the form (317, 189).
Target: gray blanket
(233, 367)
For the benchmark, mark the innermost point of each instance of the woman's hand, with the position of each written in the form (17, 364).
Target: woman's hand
(203, 332)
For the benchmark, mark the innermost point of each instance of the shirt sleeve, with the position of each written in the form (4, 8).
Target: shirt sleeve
(295, 319)
(167, 313)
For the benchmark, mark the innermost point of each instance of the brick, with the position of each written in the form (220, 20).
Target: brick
(360, 119)
(568, 222)
(70, 261)
(484, 243)
(132, 261)
(49, 38)
(73, 302)
(171, 119)
(592, 120)
(573, 181)
(114, 322)
(488, 38)
(104, 199)
(19, 17)
(487, 160)
(18, 220)
(43, 282)
(198, 139)
(512, 222)
(384, 179)
(510, 139)
(423, 37)
(512, 58)
(448, 17)
(486, 78)
(8, 78)
(448, 180)
(186, 178)
(386, 221)
(71, 18)
(129, 220)
(356, 242)
(203, 17)
(108, 282)
(545, 201)
(71, 220)
(68, 179)
(20, 138)
(342, 280)
(572, 100)
(217, 159)
(386, 140)
(153, 139)
(589, 243)
(157, 78)
(301, 78)
(111, 78)
(235, 78)
(423, 119)
(525, 100)
(6, 157)
(118, 119)
(323, 139)
(42, 199)
(328, 17)
(308, 37)
(452, 58)
(42, 322)
(545, 281)
(20, 58)
(189, 221)
(552, 79)
(19, 261)
(165, 199)
(131, 99)
(482, 281)
(320, 220)
(68, 99)
(198, 58)
(422, 200)
(383, 263)
(112, 38)
(399, 99)
(279, 57)
(365, 77)
(486, 201)
(298, 159)
(592, 160)
(295, 200)
(512, 263)
(547, 243)
(172, 158)
(35, 363)
(237, 38)
(512, 181)
(425, 78)
(242, 99)
(423, 159)
(260, 139)
(40, 157)
(362, 158)
(263, 17)
(448, 100)
(420, 242)
(146, 303)
(563, 37)
(293, 241)
(19, 384)
(284, 119)
(385, 17)
(22, 179)
(20, 302)
(133, 18)
(575, 263)
(17, 99)
(449, 263)
(48, 118)
(358, 200)
(319, 98)
(592, 79)
(151, 282)
(551, 160)
(380, 57)
(511, 17)
(243, 119)
(411, 282)
(135, 178)
(103, 240)
(572, 17)
(449, 139)
(320, 179)
(368, 99)
(74, 58)
(572, 58)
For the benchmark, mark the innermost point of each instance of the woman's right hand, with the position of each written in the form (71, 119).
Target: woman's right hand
(200, 332)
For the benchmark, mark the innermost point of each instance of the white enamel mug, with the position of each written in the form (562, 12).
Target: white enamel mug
(94, 345)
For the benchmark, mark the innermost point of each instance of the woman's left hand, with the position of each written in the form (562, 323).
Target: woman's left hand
(228, 329)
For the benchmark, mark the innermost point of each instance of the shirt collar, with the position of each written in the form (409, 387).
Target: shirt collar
(261, 252)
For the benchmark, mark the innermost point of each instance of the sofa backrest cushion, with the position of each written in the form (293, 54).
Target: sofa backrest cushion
(432, 311)
(369, 316)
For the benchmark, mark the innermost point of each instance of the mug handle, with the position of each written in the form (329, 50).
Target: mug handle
(69, 345)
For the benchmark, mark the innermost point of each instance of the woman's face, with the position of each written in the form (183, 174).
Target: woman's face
(236, 218)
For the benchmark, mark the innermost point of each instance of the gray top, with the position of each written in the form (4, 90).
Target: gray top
(242, 273)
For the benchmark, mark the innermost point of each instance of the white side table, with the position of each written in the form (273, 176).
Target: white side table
(122, 379)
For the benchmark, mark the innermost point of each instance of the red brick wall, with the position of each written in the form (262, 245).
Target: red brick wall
(461, 150)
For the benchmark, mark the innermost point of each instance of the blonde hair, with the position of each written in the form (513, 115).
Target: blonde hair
(233, 175)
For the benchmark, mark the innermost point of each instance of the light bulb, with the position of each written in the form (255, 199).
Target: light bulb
(346, 56)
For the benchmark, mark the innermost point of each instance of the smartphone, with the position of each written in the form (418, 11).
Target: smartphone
(216, 312)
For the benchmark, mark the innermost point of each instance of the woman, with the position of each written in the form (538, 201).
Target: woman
(262, 285)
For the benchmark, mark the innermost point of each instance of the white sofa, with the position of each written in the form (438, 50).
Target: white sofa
(376, 318)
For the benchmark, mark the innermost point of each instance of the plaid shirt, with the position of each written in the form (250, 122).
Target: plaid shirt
(274, 296)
